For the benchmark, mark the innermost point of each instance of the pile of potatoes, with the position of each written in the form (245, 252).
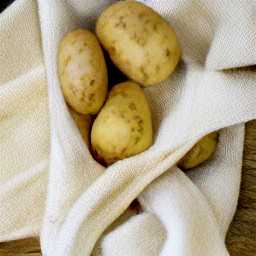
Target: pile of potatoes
(144, 47)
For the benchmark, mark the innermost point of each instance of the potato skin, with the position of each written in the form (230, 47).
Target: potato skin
(139, 41)
(83, 123)
(123, 127)
(200, 152)
(82, 71)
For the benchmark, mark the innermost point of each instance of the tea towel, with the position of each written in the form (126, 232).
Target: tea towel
(181, 213)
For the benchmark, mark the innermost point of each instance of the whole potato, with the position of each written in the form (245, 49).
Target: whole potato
(83, 123)
(200, 152)
(82, 71)
(139, 41)
(123, 127)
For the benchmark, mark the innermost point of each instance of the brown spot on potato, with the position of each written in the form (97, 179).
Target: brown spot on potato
(124, 150)
(167, 52)
(140, 129)
(143, 72)
(80, 51)
(137, 139)
(155, 27)
(127, 63)
(141, 15)
(132, 106)
(91, 97)
(73, 89)
(157, 68)
(124, 94)
(141, 41)
(137, 118)
(121, 22)
(134, 36)
(92, 82)
(139, 121)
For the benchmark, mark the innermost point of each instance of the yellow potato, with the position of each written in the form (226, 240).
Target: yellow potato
(123, 127)
(139, 41)
(200, 152)
(82, 71)
(83, 123)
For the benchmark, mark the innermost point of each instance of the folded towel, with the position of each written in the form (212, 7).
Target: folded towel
(48, 172)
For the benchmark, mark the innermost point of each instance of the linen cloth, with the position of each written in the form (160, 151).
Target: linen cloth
(47, 171)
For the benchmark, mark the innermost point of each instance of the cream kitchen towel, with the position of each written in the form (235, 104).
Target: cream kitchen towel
(182, 214)
(24, 122)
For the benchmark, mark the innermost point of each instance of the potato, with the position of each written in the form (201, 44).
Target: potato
(139, 41)
(83, 123)
(82, 71)
(123, 127)
(200, 152)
